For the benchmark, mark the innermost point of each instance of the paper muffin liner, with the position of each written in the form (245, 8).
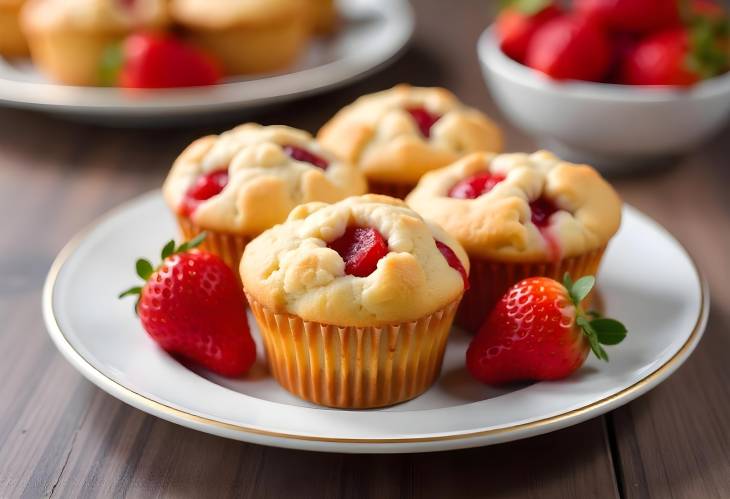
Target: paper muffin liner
(229, 247)
(490, 280)
(354, 367)
(399, 191)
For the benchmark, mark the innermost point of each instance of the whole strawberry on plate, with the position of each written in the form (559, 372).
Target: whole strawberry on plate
(192, 305)
(539, 331)
(519, 20)
(157, 60)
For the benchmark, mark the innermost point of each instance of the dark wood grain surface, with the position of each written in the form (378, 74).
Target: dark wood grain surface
(61, 436)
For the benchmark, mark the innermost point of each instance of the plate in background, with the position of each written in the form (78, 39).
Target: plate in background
(373, 33)
(647, 280)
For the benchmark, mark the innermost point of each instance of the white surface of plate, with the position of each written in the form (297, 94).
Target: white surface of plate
(647, 280)
(373, 33)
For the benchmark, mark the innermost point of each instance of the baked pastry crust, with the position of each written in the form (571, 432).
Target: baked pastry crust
(290, 269)
(12, 40)
(264, 183)
(94, 15)
(377, 134)
(497, 225)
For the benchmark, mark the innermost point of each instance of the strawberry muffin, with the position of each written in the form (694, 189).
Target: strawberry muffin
(240, 183)
(68, 39)
(519, 216)
(247, 36)
(323, 15)
(397, 135)
(12, 40)
(355, 300)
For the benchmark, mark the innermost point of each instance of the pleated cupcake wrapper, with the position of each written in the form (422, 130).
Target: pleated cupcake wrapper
(354, 367)
(399, 191)
(228, 247)
(490, 280)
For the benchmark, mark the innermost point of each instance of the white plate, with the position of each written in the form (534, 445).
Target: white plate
(373, 33)
(647, 280)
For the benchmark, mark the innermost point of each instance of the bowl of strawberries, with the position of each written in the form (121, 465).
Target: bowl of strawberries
(617, 83)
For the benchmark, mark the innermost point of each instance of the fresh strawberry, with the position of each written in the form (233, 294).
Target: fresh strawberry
(679, 57)
(570, 48)
(192, 305)
(634, 16)
(424, 119)
(155, 60)
(518, 21)
(474, 186)
(361, 248)
(539, 331)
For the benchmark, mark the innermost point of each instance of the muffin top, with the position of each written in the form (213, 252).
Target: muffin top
(249, 178)
(315, 265)
(112, 15)
(520, 207)
(399, 134)
(229, 13)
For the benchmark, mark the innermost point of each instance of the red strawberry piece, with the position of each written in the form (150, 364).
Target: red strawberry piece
(361, 248)
(570, 48)
(541, 210)
(301, 154)
(193, 306)
(453, 262)
(205, 187)
(518, 22)
(634, 16)
(539, 331)
(424, 119)
(155, 60)
(475, 186)
(679, 57)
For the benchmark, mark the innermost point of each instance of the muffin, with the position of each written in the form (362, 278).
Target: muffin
(12, 40)
(240, 183)
(397, 135)
(354, 300)
(246, 36)
(323, 15)
(519, 216)
(68, 39)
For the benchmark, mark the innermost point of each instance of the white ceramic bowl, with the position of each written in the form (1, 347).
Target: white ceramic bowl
(612, 126)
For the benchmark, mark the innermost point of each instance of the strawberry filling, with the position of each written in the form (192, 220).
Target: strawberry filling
(541, 210)
(205, 187)
(453, 262)
(361, 248)
(424, 119)
(475, 186)
(300, 154)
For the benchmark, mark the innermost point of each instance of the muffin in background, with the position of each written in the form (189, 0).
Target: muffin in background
(240, 183)
(12, 39)
(68, 38)
(246, 36)
(323, 15)
(354, 300)
(397, 135)
(519, 216)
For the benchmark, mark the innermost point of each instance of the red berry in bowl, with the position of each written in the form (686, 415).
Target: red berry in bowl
(424, 119)
(192, 305)
(570, 48)
(301, 154)
(205, 187)
(361, 248)
(475, 186)
(633, 16)
(517, 23)
(539, 331)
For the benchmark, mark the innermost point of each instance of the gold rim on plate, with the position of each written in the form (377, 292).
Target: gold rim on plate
(157, 407)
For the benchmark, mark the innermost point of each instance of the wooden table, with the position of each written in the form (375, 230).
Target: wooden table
(59, 435)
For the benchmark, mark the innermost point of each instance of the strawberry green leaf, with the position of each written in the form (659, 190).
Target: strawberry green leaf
(609, 331)
(169, 249)
(144, 269)
(112, 60)
(136, 290)
(581, 288)
(527, 7)
(193, 243)
(594, 314)
(592, 336)
(567, 282)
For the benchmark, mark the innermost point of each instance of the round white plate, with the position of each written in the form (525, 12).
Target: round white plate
(647, 280)
(373, 33)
